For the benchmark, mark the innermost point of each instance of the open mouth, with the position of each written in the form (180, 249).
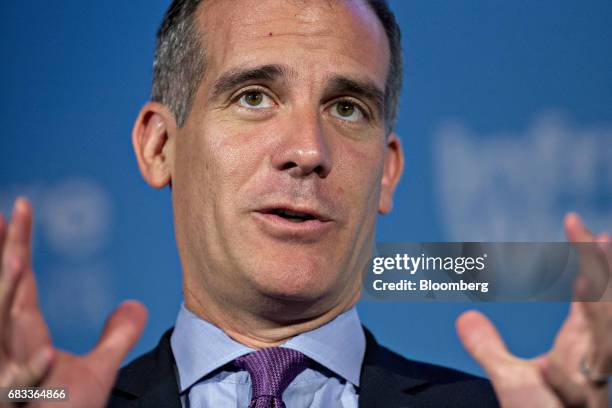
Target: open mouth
(296, 223)
(293, 216)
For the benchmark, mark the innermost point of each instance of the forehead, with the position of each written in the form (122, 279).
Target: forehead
(317, 38)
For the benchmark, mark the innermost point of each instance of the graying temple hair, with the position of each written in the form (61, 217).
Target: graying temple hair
(180, 60)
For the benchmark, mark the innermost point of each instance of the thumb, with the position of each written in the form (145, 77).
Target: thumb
(483, 342)
(121, 331)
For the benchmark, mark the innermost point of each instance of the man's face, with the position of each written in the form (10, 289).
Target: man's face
(278, 170)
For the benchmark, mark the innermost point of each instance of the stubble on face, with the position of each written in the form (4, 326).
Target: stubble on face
(234, 164)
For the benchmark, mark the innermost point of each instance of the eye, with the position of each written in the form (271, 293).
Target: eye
(347, 110)
(255, 99)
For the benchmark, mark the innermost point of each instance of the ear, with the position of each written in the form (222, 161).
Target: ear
(392, 171)
(153, 141)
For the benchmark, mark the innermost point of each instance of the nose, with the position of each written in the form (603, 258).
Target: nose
(303, 149)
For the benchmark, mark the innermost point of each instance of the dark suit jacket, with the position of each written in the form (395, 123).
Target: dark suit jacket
(387, 380)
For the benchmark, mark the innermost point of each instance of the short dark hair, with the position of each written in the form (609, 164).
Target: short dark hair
(180, 59)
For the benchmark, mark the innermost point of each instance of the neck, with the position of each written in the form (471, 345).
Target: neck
(282, 320)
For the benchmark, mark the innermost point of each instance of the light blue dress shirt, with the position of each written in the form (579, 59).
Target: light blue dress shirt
(202, 352)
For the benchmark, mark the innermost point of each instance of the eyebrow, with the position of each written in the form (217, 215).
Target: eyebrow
(360, 88)
(235, 78)
(337, 85)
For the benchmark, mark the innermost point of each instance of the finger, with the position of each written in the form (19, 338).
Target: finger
(594, 281)
(575, 230)
(577, 317)
(9, 280)
(571, 393)
(594, 272)
(2, 236)
(121, 331)
(18, 244)
(19, 231)
(481, 339)
(33, 372)
(599, 354)
(574, 333)
(598, 322)
(605, 243)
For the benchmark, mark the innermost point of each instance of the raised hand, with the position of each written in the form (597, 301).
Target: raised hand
(574, 372)
(27, 357)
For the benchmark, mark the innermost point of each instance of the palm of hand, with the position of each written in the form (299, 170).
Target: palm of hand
(27, 357)
(553, 379)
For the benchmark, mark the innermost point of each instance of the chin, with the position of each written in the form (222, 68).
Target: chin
(298, 282)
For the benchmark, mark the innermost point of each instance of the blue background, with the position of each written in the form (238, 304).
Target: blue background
(506, 119)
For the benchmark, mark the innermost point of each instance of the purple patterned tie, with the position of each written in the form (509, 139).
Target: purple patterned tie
(272, 370)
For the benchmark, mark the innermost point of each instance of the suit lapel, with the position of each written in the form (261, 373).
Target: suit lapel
(150, 381)
(381, 385)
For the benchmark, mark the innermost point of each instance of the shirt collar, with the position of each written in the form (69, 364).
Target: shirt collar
(338, 345)
(199, 347)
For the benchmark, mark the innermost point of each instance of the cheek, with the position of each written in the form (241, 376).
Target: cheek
(240, 148)
(217, 158)
(360, 169)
